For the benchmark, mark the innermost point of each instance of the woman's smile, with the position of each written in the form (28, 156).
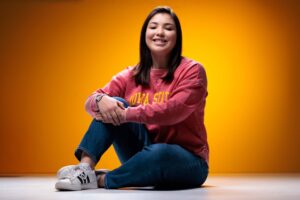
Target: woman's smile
(159, 42)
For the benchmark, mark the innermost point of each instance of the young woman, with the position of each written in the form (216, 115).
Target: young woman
(152, 113)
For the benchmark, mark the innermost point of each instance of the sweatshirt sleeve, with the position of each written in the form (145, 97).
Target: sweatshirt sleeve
(188, 94)
(116, 87)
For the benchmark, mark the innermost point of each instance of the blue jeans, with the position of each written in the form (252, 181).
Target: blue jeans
(142, 163)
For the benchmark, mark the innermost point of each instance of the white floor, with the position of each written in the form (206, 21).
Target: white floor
(258, 187)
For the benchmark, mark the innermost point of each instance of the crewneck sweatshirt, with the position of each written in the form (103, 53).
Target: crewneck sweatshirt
(173, 113)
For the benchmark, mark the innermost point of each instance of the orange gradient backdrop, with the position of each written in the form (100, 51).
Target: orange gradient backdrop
(55, 53)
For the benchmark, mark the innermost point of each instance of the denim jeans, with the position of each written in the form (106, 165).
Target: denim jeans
(142, 163)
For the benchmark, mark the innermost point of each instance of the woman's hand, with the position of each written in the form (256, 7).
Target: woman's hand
(121, 116)
(110, 111)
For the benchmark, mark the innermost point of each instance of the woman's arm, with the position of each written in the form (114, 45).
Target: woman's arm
(106, 105)
(184, 100)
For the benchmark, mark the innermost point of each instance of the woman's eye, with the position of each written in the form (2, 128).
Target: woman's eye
(153, 27)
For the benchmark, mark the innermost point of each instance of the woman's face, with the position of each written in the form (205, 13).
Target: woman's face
(161, 34)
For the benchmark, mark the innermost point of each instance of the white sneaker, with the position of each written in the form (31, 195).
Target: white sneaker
(65, 171)
(81, 178)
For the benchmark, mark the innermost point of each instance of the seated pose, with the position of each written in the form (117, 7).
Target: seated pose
(152, 114)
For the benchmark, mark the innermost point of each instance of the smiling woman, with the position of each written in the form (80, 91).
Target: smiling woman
(54, 53)
(161, 37)
(156, 146)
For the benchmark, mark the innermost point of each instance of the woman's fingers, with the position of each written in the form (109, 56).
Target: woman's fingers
(121, 105)
(105, 118)
(111, 114)
(114, 118)
(117, 117)
(98, 116)
(110, 118)
(108, 104)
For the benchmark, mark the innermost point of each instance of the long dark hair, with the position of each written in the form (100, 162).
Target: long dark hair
(142, 70)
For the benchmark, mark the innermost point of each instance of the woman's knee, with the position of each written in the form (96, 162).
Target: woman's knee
(159, 152)
(178, 167)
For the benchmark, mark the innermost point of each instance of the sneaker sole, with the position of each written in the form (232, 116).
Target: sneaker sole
(65, 186)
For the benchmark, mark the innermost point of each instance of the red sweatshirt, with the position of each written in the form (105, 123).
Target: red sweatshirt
(172, 112)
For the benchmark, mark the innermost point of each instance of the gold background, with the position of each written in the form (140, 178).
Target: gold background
(53, 54)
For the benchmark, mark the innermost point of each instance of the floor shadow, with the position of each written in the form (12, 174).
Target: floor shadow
(161, 188)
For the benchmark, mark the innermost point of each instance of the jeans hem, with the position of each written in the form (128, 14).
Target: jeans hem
(79, 151)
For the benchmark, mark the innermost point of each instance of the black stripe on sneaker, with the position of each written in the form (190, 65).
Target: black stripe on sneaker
(80, 179)
(88, 179)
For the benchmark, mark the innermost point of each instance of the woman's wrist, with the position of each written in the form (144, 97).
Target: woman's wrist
(98, 99)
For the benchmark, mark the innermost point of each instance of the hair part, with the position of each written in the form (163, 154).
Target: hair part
(142, 69)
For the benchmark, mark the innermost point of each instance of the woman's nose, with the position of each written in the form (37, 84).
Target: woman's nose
(159, 31)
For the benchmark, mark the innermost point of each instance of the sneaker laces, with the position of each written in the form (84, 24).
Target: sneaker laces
(68, 172)
(76, 171)
(71, 173)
